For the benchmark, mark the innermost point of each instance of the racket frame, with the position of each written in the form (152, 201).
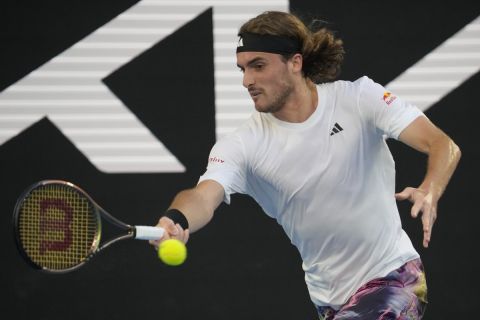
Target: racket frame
(100, 214)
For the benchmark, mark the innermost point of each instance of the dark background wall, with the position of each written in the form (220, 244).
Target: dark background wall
(241, 266)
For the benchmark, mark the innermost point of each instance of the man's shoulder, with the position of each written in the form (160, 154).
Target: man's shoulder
(347, 84)
(345, 90)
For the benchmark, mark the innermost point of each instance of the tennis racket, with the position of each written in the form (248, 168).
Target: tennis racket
(58, 227)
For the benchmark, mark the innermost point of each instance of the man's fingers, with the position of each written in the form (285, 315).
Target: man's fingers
(157, 242)
(416, 208)
(402, 195)
(182, 234)
(428, 223)
(426, 240)
(154, 242)
(173, 231)
(426, 216)
(427, 233)
(171, 228)
(405, 194)
(177, 232)
(422, 202)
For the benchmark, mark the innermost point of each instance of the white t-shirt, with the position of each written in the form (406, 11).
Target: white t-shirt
(328, 181)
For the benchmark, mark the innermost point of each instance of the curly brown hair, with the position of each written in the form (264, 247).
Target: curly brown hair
(322, 52)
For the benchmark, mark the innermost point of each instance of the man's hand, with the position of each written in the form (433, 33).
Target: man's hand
(172, 231)
(426, 203)
(197, 205)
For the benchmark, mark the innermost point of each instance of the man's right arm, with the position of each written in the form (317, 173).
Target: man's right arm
(197, 205)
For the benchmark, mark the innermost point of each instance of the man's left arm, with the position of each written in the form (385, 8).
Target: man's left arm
(443, 157)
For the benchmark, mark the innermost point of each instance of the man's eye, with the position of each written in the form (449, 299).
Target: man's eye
(258, 66)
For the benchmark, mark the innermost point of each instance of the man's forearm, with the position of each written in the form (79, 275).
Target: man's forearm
(199, 203)
(443, 157)
(192, 205)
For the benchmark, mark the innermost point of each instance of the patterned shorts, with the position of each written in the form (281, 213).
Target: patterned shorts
(401, 295)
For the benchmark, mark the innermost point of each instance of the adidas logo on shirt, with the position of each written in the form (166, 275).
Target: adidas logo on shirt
(336, 129)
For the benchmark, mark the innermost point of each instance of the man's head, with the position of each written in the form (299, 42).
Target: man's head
(276, 50)
(321, 51)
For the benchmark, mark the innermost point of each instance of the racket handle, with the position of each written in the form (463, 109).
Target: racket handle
(148, 233)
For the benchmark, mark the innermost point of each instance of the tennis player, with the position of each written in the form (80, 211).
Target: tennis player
(314, 157)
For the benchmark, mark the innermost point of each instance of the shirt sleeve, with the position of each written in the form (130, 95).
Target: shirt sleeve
(226, 165)
(385, 110)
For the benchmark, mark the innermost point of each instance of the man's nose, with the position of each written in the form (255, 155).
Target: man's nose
(247, 79)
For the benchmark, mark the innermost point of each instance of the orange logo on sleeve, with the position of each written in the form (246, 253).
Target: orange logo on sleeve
(388, 97)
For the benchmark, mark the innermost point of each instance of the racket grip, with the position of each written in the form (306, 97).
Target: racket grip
(148, 233)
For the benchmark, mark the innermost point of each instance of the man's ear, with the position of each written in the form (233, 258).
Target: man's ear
(297, 62)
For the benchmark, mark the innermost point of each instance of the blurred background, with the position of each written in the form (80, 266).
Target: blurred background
(125, 98)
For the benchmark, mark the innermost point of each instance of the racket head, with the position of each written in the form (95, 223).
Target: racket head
(57, 226)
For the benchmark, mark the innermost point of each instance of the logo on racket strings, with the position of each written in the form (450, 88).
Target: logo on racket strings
(55, 231)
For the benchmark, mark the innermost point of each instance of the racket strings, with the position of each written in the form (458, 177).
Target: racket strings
(58, 227)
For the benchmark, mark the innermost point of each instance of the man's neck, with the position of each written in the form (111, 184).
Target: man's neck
(301, 105)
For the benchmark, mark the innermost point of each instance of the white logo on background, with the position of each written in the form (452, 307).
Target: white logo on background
(69, 91)
(68, 88)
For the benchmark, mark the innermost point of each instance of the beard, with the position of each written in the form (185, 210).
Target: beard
(278, 101)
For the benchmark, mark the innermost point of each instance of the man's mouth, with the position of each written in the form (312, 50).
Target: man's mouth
(254, 93)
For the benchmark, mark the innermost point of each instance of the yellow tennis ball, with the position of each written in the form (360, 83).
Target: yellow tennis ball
(172, 252)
